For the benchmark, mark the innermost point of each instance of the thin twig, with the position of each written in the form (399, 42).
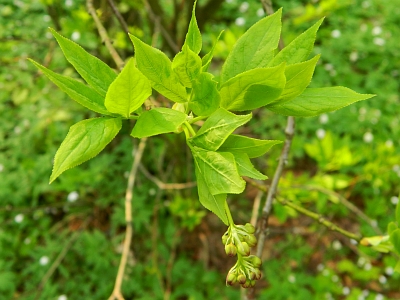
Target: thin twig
(120, 18)
(170, 264)
(104, 35)
(256, 206)
(166, 186)
(117, 294)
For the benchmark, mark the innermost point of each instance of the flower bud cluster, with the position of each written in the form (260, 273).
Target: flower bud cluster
(238, 240)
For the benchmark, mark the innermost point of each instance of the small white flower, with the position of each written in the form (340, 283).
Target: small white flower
(336, 245)
(328, 67)
(335, 278)
(69, 3)
(46, 18)
(291, 278)
(396, 168)
(379, 297)
(27, 241)
(76, 35)
(382, 279)
(19, 218)
(361, 297)
(1, 168)
(367, 267)
(346, 291)
(244, 7)
(368, 137)
(377, 30)
(362, 111)
(73, 196)
(323, 119)
(228, 1)
(394, 200)
(336, 33)
(354, 56)
(353, 242)
(389, 271)
(379, 41)
(17, 130)
(361, 261)
(62, 297)
(44, 260)
(152, 192)
(320, 267)
(260, 12)
(240, 21)
(374, 223)
(320, 133)
(365, 293)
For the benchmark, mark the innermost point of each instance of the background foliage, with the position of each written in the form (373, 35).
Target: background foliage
(77, 223)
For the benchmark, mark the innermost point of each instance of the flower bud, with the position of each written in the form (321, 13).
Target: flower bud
(247, 284)
(230, 249)
(241, 279)
(250, 228)
(244, 249)
(224, 239)
(252, 283)
(258, 274)
(231, 279)
(252, 276)
(256, 261)
(251, 240)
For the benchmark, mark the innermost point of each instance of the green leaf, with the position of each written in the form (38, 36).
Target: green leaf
(84, 141)
(299, 49)
(78, 91)
(392, 226)
(206, 60)
(128, 91)
(395, 239)
(186, 65)
(193, 36)
(156, 66)
(298, 77)
(315, 101)
(157, 121)
(217, 128)
(254, 49)
(206, 98)
(397, 267)
(214, 203)
(219, 171)
(96, 73)
(253, 89)
(246, 168)
(252, 147)
(398, 213)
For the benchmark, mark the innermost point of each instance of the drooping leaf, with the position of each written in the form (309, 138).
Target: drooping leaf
(206, 97)
(186, 65)
(206, 60)
(78, 91)
(253, 89)
(254, 49)
(252, 147)
(193, 36)
(315, 101)
(96, 73)
(84, 141)
(128, 91)
(395, 239)
(217, 128)
(214, 203)
(246, 168)
(298, 77)
(156, 66)
(219, 171)
(157, 121)
(299, 49)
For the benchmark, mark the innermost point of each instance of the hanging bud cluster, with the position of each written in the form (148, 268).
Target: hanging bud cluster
(238, 240)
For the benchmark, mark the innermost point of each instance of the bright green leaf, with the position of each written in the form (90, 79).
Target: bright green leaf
(315, 101)
(206, 98)
(217, 128)
(252, 147)
(254, 49)
(214, 203)
(84, 141)
(246, 168)
(186, 65)
(398, 213)
(392, 226)
(193, 36)
(96, 73)
(156, 66)
(298, 77)
(395, 239)
(219, 171)
(206, 60)
(128, 91)
(78, 91)
(397, 267)
(299, 49)
(253, 89)
(157, 121)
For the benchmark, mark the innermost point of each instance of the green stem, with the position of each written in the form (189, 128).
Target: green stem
(194, 120)
(229, 215)
(188, 126)
(133, 117)
(186, 131)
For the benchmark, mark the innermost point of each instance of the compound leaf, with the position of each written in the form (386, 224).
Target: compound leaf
(315, 101)
(78, 91)
(157, 121)
(84, 141)
(96, 73)
(128, 91)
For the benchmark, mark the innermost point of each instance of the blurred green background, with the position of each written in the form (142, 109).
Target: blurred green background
(63, 241)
